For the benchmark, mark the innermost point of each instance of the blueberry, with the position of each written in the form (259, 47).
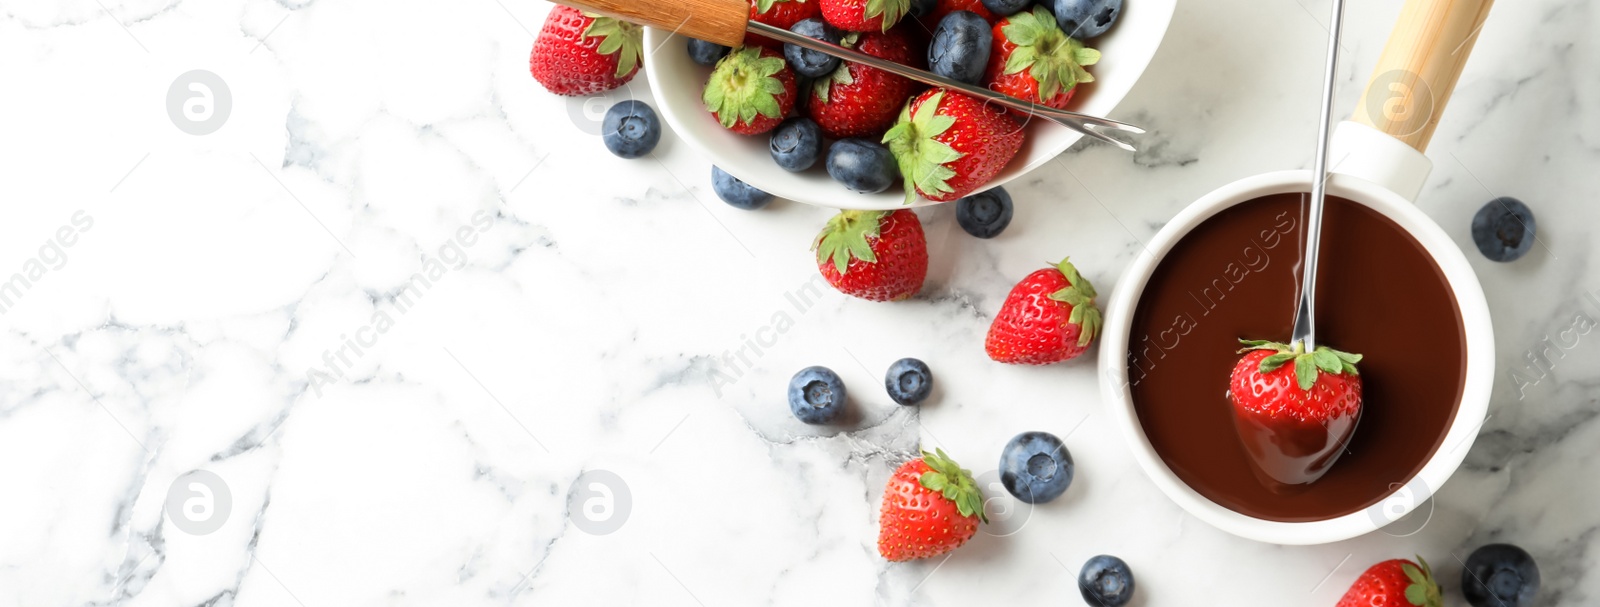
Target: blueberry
(737, 193)
(1035, 467)
(630, 129)
(706, 53)
(986, 213)
(921, 8)
(816, 395)
(1006, 8)
(1504, 229)
(908, 381)
(1106, 581)
(796, 144)
(1085, 19)
(862, 165)
(960, 47)
(1500, 575)
(807, 62)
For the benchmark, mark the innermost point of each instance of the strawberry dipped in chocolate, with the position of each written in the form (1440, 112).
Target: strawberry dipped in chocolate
(1295, 410)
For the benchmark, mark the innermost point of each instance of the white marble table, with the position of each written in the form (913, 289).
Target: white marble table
(237, 303)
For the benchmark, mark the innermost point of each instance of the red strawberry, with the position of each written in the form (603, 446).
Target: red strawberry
(948, 145)
(751, 90)
(861, 101)
(782, 14)
(874, 255)
(580, 53)
(1294, 419)
(1394, 583)
(1035, 61)
(1049, 317)
(864, 15)
(930, 506)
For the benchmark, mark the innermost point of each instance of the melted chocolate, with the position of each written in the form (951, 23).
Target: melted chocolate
(1235, 276)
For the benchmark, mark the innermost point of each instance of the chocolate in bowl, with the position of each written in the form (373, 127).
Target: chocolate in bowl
(1235, 276)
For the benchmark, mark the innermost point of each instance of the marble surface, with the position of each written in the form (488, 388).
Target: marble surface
(221, 383)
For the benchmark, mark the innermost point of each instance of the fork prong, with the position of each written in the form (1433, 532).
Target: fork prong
(1066, 116)
(1085, 130)
(1127, 128)
(1088, 132)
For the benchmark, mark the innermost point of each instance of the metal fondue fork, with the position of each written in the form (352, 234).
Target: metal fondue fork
(1072, 120)
(1304, 317)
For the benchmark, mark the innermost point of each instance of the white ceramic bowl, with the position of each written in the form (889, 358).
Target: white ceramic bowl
(677, 83)
(1479, 376)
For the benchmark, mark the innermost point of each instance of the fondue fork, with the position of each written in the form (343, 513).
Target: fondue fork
(725, 22)
(1304, 316)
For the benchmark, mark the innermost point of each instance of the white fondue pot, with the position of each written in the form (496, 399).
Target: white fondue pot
(1377, 161)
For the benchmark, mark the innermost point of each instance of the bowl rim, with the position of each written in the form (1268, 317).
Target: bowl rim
(1470, 411)
(1156, 14)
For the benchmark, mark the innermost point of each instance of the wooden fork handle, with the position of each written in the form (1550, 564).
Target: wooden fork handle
(1419, 67)
(719, 21)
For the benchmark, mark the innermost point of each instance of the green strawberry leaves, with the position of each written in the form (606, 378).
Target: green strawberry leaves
(1306, 364)
(846, 237)
(1054, 59)
(892, 11)
(1326, 360)
(617, 36)
(1271, 363)
(742, 87)
(1422, 591)
(1080, 295)
(1305, 371)
(922, 157)
(953, 482)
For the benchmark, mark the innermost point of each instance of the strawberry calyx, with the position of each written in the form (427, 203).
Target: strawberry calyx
(1080, 295)
(841, 75)
(620, 37)
(1306, 364)
(953, 482)
(921, 157)
(1422, 591)
(743, 86)
(891, 10)
(846, 237)
(1054, 59)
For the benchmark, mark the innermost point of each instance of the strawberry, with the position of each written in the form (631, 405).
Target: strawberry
(1394, 583)
(751, 90)
(580, 53)
(861, 101)
(948, 145)
(864, 15)
(1294, 419)
(930, 506)
(1034, 60)
(782, 14)
(1049, 317)
(874, 255)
